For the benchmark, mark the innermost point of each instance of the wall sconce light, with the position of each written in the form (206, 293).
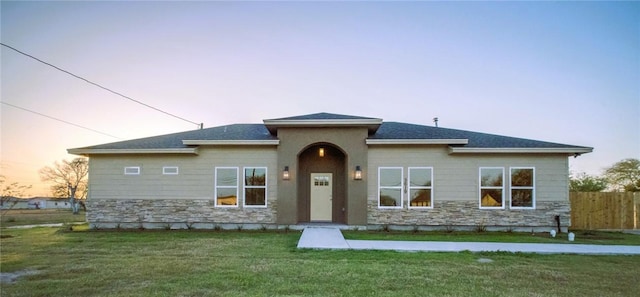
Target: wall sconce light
(285, 173)
(358, 174)
(321, 152)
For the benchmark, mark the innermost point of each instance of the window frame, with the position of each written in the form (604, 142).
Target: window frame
(532, 188)
(265, 187)
(480, 188)
(419, 188)
(164, 170)
(137, 168)
(401, 187)
(216, 187)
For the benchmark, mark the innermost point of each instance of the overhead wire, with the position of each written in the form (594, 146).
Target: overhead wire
(100, 86)
(59, 120)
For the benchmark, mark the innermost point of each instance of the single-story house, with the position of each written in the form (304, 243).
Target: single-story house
(34, 203)
(347, 170)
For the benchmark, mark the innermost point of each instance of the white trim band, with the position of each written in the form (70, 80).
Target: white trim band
(231, 142)
(519, 150)
(415, 141)
(82, 151)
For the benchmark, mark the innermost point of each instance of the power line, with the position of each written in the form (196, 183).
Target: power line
(59, 120)
(100, 86)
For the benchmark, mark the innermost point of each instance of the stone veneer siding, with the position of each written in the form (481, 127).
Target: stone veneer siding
(172, 213)
(467, 215)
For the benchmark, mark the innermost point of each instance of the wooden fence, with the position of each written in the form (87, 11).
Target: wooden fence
(600, 210)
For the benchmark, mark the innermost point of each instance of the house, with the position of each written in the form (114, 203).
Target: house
(346, 170)
(15, 203)
(35, 203)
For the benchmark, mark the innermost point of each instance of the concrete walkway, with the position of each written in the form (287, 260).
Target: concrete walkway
(331, 238)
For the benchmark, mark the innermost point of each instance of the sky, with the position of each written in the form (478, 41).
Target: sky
(566, 72)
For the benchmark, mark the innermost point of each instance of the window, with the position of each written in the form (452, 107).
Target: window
(226, 187)
(132, 170)
(321, 181)
(255, 186)
(420, 187)
(170, 170)
(522, 187)
(491, 187)
(390, 187)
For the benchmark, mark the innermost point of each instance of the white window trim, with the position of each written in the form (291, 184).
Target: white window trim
(418, 188)
(532, 188)
(266, 183)
(401, 187)
(128, 168)
(165, 172)
(480, 188)
(216, 187)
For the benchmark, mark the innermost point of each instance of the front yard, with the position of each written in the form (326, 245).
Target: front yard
(266, 263)
(18, 217)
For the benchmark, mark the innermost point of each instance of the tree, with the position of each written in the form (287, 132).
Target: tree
(10, 191)
(624, 175)
(69, 178)
(583, 182)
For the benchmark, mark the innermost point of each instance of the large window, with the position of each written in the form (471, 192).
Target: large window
(522, 187)
(420, 187)
(226, 187)
(390, 187)
(255, 186)
(491, 187)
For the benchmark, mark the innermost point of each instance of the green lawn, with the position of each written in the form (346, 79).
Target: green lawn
(17, 217)
(581, 237)
(197, 263)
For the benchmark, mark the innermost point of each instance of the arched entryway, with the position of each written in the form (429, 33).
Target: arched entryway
(322, 184)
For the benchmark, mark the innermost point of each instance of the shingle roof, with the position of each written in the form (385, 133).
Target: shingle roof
(385, 131)
(395, 130)
(323, 116)
(171, 141)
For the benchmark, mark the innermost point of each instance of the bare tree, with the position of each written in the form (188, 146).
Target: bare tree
(68, 178)
(9, 192)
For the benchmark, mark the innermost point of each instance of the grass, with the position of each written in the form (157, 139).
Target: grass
(581, 237)
(266, 263)
(17, 217)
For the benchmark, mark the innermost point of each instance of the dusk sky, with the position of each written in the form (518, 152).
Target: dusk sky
(566, 72)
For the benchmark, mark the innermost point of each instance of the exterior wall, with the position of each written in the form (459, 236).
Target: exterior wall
(187, 197)
(294, 141)
(456, 188)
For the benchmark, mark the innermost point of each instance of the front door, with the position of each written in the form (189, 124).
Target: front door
(321, 196)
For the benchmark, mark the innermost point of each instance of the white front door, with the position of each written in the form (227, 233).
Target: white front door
(321, 196)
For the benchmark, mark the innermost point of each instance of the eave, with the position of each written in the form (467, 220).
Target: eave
(415, 141)
(231, 142)
(87, 152)
(520, 150)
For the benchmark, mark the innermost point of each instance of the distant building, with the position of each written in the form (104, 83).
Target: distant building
(36, 203)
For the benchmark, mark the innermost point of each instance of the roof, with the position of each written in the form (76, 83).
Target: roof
(462, 141)
(380, 133)
(323, 120)
(323, 116)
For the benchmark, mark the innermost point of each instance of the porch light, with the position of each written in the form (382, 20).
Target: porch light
(358, 174)
(321, 152)
(285, 173)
